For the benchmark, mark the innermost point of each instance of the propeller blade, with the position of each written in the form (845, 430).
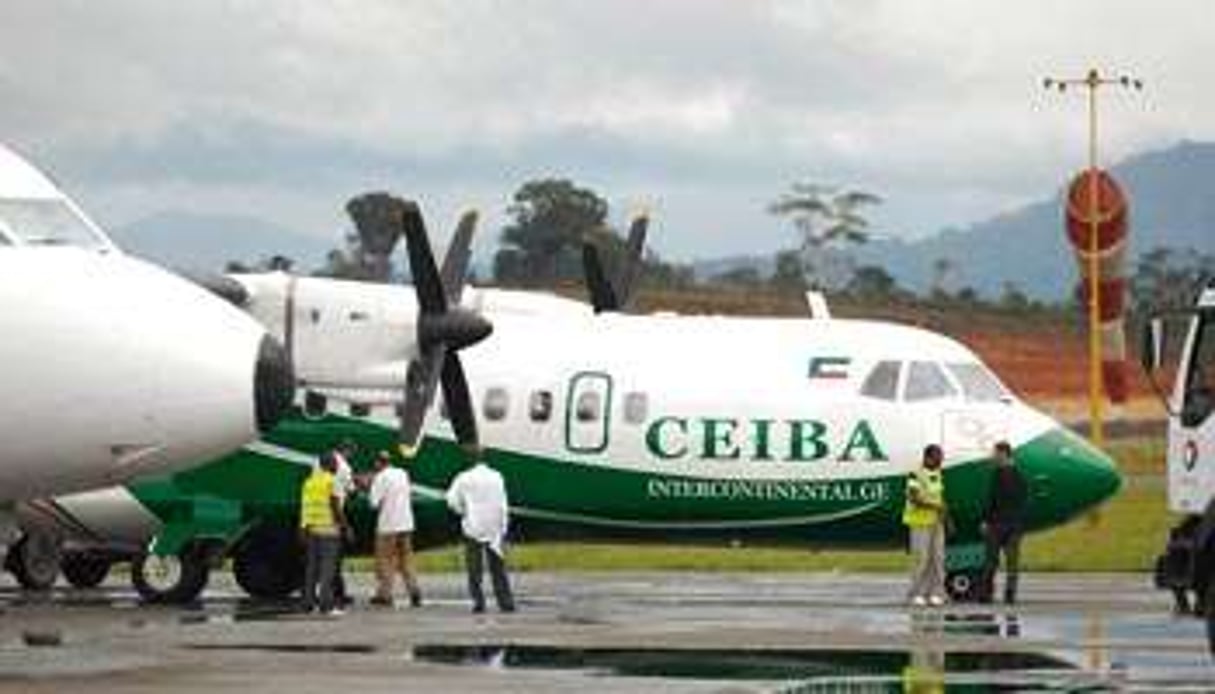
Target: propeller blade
(427, 283)
(633, 259)
(420, 382)
(459, 400)
(603, 295)
(455, 263)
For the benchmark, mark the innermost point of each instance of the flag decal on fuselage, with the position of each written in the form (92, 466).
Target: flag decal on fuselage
(831, 368)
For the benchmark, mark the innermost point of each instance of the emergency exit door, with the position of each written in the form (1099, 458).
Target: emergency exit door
(588, 412)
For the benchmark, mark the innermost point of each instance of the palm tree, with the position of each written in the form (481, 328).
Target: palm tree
(826, 218)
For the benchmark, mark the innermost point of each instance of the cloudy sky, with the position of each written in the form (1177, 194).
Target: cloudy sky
(701, 110)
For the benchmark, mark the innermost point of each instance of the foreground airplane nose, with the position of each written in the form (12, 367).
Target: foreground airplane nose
(1068, 475)
(273, 384)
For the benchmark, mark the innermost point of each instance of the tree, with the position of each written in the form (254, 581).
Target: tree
(827, 219)
(1165, 278)
(789, 273)
(550, 219)
(379, 226)
(872, 282)
(942, 276)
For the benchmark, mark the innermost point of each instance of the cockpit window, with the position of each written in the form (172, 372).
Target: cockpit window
(978, 384)
(37, 222)
(883, 381)
(926, 381)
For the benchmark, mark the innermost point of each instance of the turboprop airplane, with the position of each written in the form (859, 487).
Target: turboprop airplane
(112, 367)
(604, 424)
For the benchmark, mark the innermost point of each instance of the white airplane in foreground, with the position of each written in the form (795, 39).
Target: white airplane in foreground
(632, 427)
(112, 367)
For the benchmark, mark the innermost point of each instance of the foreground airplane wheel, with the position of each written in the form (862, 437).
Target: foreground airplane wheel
(173, 579)
(269, 564)
(84, 571)
(34, 561)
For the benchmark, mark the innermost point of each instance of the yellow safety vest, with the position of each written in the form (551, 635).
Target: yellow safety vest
(316, 515)
(932, 489)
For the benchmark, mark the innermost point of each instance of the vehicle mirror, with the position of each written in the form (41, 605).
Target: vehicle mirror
(1151, 351)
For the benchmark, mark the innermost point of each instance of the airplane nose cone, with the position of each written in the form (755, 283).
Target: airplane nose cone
(1068, 475)
(1094, 474)
(273, 384)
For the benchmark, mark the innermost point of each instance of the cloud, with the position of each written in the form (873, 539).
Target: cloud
(711, 105)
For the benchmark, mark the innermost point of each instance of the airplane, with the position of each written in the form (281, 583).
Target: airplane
(113, 367)
(605, 424)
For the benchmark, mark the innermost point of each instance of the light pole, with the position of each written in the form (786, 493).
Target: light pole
(1093, 81)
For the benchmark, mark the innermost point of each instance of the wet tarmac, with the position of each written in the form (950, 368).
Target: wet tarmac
(614, 632)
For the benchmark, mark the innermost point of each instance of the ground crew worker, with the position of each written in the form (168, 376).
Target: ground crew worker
(1003, 523)
(924, 514)
(390, 495)
(478, 495)
(322, 524)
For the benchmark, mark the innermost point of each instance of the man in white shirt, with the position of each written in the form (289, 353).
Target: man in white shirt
(390, 495)
(343, 487)
(478, 495)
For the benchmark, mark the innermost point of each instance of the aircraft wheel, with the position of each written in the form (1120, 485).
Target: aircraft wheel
(268, 564)
(174, 579)
(963, 586)
(85, 571)
(34, 560)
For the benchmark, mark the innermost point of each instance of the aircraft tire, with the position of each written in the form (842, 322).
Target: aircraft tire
(171, 580)
(34, 561)
(268, 564)
(963, 586)
(85, 571)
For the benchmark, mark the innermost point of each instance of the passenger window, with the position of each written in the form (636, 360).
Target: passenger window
(359, 409)
(883, 381)
(315, 404)
(540, 406)
(589, 407)
(636, 407)
(496, 403)
(926, 381)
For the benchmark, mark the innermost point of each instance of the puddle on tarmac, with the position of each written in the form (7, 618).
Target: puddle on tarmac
(736, 664)
(347, 648)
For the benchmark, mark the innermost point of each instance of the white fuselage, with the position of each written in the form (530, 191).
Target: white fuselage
(112, 367)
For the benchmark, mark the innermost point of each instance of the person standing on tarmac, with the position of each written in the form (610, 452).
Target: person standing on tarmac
(478, 495)
(322, 525)
(925, 515)
(1003, 523)
(390, 495)
(343, 487)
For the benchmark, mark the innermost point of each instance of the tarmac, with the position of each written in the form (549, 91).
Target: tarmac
(616, 632)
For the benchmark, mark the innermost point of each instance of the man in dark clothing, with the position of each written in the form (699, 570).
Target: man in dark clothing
(1003, 523)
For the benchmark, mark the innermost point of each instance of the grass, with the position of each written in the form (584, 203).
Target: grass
(1124, 535)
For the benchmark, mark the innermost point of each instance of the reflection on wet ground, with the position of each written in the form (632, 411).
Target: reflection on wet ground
(630, 633)
(737, 664)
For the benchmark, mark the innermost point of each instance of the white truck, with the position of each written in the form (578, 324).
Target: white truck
(1187, 564)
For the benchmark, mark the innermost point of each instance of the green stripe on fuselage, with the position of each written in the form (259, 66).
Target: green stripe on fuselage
(570, 499)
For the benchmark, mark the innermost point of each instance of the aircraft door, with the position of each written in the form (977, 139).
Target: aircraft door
(588, 408)
(971, 433)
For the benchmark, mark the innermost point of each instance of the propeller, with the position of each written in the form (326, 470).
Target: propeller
(443, 329)
(609, 294)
